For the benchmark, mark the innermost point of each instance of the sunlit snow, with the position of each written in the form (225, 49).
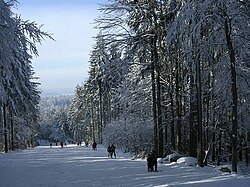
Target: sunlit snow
(81, 166)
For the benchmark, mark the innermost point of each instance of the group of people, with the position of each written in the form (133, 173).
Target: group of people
(111, 151)
(61, 144)
(152, 161)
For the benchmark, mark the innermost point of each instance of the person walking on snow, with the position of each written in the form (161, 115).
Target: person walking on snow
(94, 146)
(113, 150)
(150, 162)
(109, 151)
(154, 160)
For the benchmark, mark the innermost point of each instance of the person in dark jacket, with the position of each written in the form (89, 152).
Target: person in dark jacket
(150, 162)
(154, 160)
(113, 150)
(109, 151)
(94, 146)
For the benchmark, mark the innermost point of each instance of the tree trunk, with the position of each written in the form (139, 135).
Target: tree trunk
(246, 156)
(178, 106)
(219, 149)
(246, 150)
(12, 133)
(100, 112)
(92, 121)
(199, 110)
(192, 120)
(1, 124)
(172, 122)
(164, 109)
(5, 128)
(166, 133)
(234, 93)
(213, 144)
(159, 110)
(154, 94)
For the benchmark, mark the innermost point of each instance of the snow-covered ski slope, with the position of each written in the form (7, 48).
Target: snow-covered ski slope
(83, 167)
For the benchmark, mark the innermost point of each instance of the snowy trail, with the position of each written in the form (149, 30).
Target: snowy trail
(81, 166)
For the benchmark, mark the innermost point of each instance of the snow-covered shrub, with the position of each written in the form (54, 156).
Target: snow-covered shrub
(130, 137)
(141, 155)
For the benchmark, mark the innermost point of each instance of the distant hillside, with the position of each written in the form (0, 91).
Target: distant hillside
(53, 118)
(55, 102)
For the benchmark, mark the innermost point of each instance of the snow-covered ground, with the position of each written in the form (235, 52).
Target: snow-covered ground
(82, 166)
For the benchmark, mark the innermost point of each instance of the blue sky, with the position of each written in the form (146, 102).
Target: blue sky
(62, 64)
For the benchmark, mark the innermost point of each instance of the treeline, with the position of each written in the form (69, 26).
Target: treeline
(169, 75)
(53, 123)
(19, 94)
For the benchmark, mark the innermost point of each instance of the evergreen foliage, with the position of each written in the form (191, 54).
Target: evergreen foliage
(179, 79)
(19, 95)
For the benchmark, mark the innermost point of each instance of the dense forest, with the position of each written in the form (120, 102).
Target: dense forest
(169, 75)
(53, 123)
(19, 94)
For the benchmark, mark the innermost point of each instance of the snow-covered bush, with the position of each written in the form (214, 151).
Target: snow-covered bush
(130, 137)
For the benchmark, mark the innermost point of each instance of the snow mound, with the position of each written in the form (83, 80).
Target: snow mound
(170, 158)
(190, 161)
(173, 157)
